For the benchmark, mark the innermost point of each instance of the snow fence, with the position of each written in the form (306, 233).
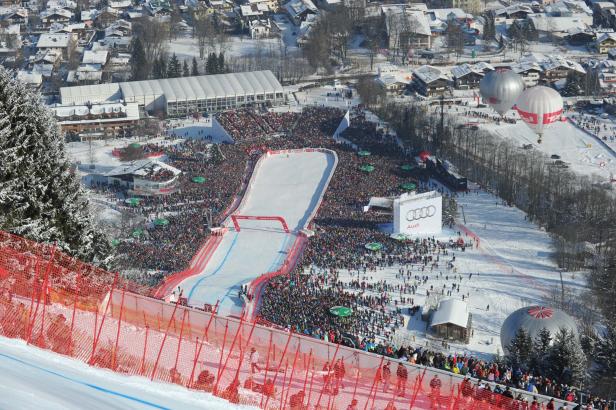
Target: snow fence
(61, 304)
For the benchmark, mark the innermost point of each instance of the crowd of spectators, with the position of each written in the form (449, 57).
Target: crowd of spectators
(169, 248)
(247, 124)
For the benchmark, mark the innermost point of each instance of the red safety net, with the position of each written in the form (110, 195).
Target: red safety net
(58, 303)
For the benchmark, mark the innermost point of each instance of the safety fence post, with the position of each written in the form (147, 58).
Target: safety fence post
(326, 384)
(222, 369)
(267, 361)
(31, 307)
(356, 380)
(70, 341)
(284, 382)
(115, 349)
(162, 345)
(203, 339)
(100, 329)
(42, 291)
(292, 373)
(222, 352)
(307, 366)
(374, 381)
(177, 354)
(145, 347)
(417, 389)
(311, 382)
(279, 364)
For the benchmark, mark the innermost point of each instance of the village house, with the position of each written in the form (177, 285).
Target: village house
(430, 81)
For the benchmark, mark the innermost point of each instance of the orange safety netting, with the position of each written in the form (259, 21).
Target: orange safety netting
(60, 304)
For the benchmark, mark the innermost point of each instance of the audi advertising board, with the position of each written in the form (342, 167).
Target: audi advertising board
(418, 214)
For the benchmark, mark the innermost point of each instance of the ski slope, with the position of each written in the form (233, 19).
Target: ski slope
(31, 378)
(287, 185)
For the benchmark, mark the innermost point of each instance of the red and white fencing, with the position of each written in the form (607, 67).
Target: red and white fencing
(58, 303)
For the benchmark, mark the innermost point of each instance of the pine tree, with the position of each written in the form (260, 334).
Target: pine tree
(211, 64)
(160, 68)
(566, 358)
(195, 67)
(138, 61)
(174, 69)
(221, 63)
(519, 349)
(185, 70)
(540, 351)
(605, 358)
(40, 198)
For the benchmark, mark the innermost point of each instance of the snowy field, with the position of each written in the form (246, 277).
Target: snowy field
(581, 151)
(511, 268)
(186, 48)
(31, 378)
(201, 128)
(100, 152)
(289, 186)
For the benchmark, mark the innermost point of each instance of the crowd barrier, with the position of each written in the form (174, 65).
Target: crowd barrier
(58, 303)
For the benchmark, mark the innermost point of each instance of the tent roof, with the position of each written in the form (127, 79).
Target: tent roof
(452, 311)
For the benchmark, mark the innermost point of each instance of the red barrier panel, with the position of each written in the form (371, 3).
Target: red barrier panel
(280, 219)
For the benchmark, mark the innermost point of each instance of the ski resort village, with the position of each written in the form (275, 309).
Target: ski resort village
(308, 204)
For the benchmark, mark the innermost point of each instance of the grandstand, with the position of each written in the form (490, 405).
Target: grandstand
(184, 95)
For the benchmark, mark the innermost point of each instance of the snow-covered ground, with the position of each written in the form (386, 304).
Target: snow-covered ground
(511, 268)
(185, 48)
(284, 185)
(100, 152)
(581, 151)
(31, 378)
(328, 96)
(198, 128)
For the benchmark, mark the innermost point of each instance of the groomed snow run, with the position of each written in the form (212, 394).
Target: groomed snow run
(31, 378)
(290, 185)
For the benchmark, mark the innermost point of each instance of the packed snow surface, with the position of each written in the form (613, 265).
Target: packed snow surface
(286, 185)
(31, 378)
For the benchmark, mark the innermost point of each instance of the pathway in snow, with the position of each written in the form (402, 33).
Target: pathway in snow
(31, 378)
(286, 185)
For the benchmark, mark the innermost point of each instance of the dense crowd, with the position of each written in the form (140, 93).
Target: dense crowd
(169, 248)
(246, 124)
(302, 300)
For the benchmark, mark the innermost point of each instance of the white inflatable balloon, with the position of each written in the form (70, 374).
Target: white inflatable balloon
(539, 107)
(500, 89)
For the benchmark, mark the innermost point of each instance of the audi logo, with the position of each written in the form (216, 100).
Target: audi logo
(421, 213)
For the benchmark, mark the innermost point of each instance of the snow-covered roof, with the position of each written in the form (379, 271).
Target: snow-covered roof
(257, 9)
(120, 4)
(525, 66)
(297, 7)
(178, 89)
(29, 77)
(553, 62)
(142, 168)
(606, 36)
(205, 86)
(88, 15)
(452, 311)
(53, 40)
(95, 57)
(91, 93)
(543, 22)
(414, 21)
(67, 14)
(464, 69)
(429, 74)
(444, 14)
(63, 113)
(515, 8)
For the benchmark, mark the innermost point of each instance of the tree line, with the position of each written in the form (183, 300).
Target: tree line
(577, 210)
